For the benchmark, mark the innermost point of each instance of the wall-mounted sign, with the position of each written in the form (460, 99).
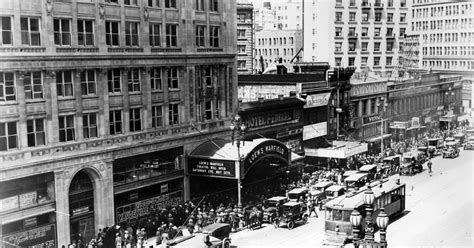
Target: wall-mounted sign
(428, 120)
(131, 212)
(44, 236)
(9, 203)
(164, 188)
(317, 100)
(272, 118)
(271, 147)
(211, 167)
(28, 199)
(251, 93)
(415, 122)
(399, 124)
(81, 210)
(30, 222)
(370, 119)
(315, 130)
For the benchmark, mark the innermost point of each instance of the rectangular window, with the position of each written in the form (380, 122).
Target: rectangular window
(200, 35)
(6, 30)
(8, 136)
(88, 84)
(64, 83)
(171, 35)
(113, 81)
(352, 3)
(352, 31)
(389, 17)
(170, 4)
(208, 110)
(403, 3)
(338, 61)
(214, 5)
(352, 16)
(66, 128)
(338, 46)
(241, 49)
(365, 16)
(115, 121)
(85, 33)
(154, 3)
(389, 46)
(35, 132)
(242, 64)
(363, 61)
(403, 17)
(200, 5)
(7, 86)
(112, 32)
(157, 116)
(131, 33)
(156, 79)
(130, 2)
(173, 114)
(402, 32)
(338, 31)
(30, 31)
(135, 120)
(214, 36)
(89, 125)
(338, 16)
(62, 32)
(376, 61)
(352, 46)
(390, 3)
(240, 33)
(33, 85)
(173, 82)
(155, 34)
(389, 31)
(134, 80)
(377, 32)
(389, 61)
(351, 61)
(364, 46)
(111, 1)
(378, 16)
(365, 31)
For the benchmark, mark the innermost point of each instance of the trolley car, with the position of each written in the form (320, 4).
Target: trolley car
(389, 194)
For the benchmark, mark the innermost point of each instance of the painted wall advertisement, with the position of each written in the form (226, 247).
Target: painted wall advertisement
(317, 100)
(9, 203)
(315, 130)
(43, 236)
(211, 167)
(131, 212)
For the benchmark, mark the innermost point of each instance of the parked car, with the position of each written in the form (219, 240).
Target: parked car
(451, 150)
(297, 194)
(271, 207)
(292, 212)
(214, 235)
(318, 190)
(469, 143)
(334, 191)
(370, 169)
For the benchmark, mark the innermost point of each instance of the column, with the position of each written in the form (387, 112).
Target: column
(78, 104)
(104, 207)
(20, 98)
(103, 94)
(369, 106)
(61, 181)
(51, 97)
(146, 97)
(125, 100)
(359, 109)
(166, 96)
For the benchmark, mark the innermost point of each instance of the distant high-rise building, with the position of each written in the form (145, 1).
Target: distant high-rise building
(361, 33)
(245, 37)
(279, 14)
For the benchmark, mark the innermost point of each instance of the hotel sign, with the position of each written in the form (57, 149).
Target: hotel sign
(211, 167)
(272, 118)
(399, 125)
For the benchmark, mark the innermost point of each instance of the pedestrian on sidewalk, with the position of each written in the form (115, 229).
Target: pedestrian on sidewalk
(429, 165)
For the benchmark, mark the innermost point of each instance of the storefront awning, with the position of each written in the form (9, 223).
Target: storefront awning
(340, 149)
(378, 137)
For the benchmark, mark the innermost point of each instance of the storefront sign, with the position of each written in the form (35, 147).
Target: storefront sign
(211, 167)
(272, 118)
(31, 222)
(446, 118)
(43, 236)
(317, 100)
(440, 108)
(415, 122)
(428, 120)
(399, 124)
(80, 210)
(272, 147)
(131, 212)
(164, 188)
(28, 199)
(370, 119)
(9, 203)
(315, 130)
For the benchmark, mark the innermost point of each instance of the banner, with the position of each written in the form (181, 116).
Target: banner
(211, 167)
(28, 199)
(399, 124)
(44, 236)
(415, 122)
(370, 119)
(317, 100)
(315, 130)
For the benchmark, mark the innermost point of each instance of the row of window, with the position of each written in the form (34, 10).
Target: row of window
(276, 41)
(33, 82)
(449, 64)
(365, 32)
(276, 51)
(417, 103)
(449, 37)
(450, 24)
(438, 11)
(449, 51)
(378, 16)
(31, 33)
(364, 61)
(36, 132)
(354, 3)
(151, 3)
(364, 46)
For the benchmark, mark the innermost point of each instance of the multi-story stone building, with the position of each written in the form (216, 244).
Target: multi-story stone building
(273, 45)
(278, 14)
(245, 38)
(361, 33)
(100, 101)
(446, 32)
(264, 16)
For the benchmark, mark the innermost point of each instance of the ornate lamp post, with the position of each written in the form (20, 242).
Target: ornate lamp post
(356, 219)
(382, 222)
(369, 199)
(449, 95)
(238, 131)
(382, 106)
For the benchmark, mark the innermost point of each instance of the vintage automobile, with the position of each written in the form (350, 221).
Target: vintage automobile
(370, 169)
(297, 194)
(348, 173)
(357, 180)
(412, 162)
(292, 212)
(451, 140)
(318, 190)
(469, 145)
(214, 235)
(460, 138)
(451, 150)
(334, 191)
(433, 145)
(271, 207)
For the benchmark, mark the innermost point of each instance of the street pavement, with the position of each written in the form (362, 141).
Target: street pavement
(439, 213)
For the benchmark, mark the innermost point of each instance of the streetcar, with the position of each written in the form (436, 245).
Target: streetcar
(389, 194)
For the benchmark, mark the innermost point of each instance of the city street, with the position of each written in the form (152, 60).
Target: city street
(438, 213)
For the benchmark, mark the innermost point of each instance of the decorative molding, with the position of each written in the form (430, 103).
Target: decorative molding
(146, 15)
(50, 74)
(101, 10)
(49, 7)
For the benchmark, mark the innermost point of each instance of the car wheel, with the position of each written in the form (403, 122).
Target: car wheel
(305, 219)
(291, 225)
(226, 244)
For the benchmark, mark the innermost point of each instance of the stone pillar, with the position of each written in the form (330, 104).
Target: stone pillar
(104, 207)
(166, 94)
(20, 97)
(103, 94)
(359, 109)
(146, 97)
(368, 107)
(187, 186)
(126, 101)
(51, 97)
(78, 104)
(62, 181)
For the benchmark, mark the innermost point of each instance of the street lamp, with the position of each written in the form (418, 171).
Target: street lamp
(369, 199)
(381, 105)
(238, 131)
(382, 222)
(356, 219)
(449, 94)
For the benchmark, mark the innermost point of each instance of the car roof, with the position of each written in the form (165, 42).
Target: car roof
(451, 143)
(277, 198)
(350, 172)
(449, 138)
(367, 167)
(213, 227)
(324, 184)
(335, 188)
(297, 191)
(356, 177)
(391, 157)
(459, 135)
(292, 204)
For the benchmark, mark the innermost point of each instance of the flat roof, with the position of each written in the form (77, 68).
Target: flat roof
(297, 191)
(335, 188)
(277, 198)
(356, 177)
(367, 167)
(291, 204)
